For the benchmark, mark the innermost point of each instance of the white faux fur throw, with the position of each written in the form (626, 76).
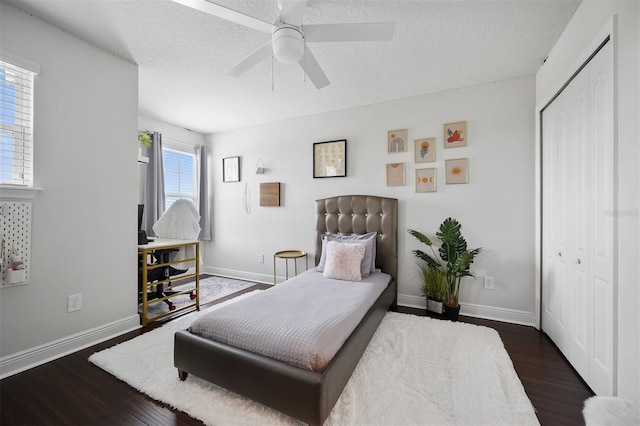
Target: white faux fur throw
(610, 411)
(180, 222)
(415, 371)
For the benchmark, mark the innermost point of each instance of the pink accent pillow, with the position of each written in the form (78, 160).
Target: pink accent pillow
(343, 261)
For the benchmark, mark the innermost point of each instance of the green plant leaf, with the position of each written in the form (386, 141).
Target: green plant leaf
(420, 236)
(431, 262)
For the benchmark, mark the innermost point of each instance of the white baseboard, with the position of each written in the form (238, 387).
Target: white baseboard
(238, 275)
(21, 361)
(477, 311)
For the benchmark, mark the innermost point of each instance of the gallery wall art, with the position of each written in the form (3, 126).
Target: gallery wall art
(455, 134)
(397, 140)
(330, 159)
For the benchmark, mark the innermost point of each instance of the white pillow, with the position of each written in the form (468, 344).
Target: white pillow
(368, 263)
(343, 261)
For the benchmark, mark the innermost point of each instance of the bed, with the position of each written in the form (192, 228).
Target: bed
(301, 393)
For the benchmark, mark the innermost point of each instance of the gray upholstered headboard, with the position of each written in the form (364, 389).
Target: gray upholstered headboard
(359, 214)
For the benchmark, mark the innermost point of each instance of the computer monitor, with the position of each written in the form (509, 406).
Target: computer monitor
(140, 213)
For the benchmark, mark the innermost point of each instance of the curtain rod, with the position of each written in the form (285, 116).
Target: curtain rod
(179, 141)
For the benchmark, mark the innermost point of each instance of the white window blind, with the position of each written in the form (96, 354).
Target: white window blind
(179, 176)
(16, 125)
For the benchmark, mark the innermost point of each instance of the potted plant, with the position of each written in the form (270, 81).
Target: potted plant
(145, 139)
(434, 287)
(454, 260)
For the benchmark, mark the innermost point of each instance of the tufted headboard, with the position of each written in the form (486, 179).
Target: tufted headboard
(359, 214)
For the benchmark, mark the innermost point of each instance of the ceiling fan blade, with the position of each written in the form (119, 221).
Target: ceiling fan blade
(228, 14)
(292, 11)
(376, 31)
(263, 52)
(312, 68)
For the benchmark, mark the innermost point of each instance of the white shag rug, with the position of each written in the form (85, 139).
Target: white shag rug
(416, 370)
(211, 288)
(610, 411)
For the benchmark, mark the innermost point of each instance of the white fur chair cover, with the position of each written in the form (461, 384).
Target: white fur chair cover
(180, 222)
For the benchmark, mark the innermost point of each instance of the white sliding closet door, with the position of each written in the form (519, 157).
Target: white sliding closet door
(578, 221)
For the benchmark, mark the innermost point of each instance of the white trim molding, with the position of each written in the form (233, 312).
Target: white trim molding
(21, 361)
(477, 311)
(239, 275)
(18, 192)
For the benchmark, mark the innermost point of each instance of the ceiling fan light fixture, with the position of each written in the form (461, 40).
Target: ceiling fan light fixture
(288, 44)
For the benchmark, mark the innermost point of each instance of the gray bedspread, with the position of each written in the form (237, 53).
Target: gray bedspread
(303, 321)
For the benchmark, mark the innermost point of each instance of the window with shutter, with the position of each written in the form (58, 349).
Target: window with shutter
(179, 176)
(16, 125)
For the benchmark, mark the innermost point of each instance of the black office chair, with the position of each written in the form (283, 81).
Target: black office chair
(161, 273)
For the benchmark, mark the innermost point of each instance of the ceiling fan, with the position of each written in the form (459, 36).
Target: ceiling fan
(289, 37)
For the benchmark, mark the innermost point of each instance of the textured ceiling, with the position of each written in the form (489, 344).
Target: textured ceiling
(183, 54)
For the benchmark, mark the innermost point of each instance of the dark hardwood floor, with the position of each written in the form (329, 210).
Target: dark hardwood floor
(72, 391)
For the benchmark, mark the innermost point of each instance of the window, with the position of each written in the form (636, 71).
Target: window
(179, 176)
(16, 124)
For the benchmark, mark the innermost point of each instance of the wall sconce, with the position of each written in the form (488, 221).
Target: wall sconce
(259, 167)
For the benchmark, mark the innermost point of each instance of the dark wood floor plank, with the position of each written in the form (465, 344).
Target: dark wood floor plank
(73, 391)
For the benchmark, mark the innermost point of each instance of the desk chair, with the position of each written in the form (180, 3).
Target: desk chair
(180, 221)
(161, 273)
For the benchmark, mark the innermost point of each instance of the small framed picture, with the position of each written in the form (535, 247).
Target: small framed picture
(396, 174)
(426, 180)
(457, 170)
(397, 140)
(330, 159)
(425, 150)
(455, 134)
(231, 169)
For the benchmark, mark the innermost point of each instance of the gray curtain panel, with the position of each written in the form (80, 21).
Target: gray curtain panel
(203, 194)
(154, 194)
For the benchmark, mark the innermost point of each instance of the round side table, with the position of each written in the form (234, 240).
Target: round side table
(289, 255)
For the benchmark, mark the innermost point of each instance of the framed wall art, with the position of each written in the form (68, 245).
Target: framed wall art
(426, 180)
(231, 169)
(397, 140)
(425, 150)
(330, 159)
(457, 170)
(455, 134)
(396, 174)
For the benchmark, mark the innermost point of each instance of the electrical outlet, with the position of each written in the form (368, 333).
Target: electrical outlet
(261, 258)
(488, 283)
(74, 302)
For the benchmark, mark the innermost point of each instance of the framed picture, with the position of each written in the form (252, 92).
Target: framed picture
(426, 180)
(330, 159)
(397, 140)
(457, 170)
(395, 174)
(455, 134)
(231, 169)
(425, 150)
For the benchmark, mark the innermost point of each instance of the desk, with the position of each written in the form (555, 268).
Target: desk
(144, 253)
(287, 255)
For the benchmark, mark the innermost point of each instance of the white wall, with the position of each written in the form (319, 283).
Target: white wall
(84, 226)
(496, 208)
(590, 18)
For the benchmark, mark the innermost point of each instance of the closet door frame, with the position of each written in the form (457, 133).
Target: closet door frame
(606, 35)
